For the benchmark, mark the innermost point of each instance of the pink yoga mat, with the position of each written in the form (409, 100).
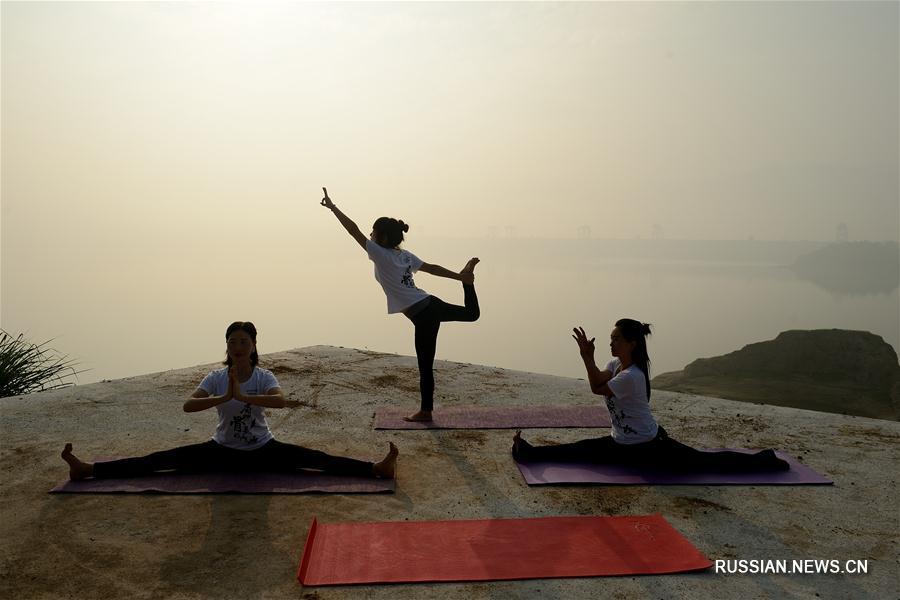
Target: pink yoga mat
(494, 549)
(228, 483)
(548, 473)
(496, 417)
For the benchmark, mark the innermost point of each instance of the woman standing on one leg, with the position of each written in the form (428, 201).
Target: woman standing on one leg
(242, 442)
(394, 268)
(636, 437)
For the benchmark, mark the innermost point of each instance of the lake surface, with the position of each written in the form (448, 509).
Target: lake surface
(147, 309)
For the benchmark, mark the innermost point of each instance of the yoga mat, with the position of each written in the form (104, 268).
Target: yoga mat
(228, 483)
(543, 473)
(494, 549)
(496, 417)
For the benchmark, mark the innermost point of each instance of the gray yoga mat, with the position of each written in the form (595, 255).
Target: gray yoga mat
(495, 417)
(300, 482)
(550, 473)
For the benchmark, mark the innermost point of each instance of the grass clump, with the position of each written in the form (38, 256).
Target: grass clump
(26, 367)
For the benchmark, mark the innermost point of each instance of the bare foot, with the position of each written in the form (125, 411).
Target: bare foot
(77, 469)
(521, 448)
(517, 442)
(419, 417)
(771, 460)
(386, 468)
(470, 266)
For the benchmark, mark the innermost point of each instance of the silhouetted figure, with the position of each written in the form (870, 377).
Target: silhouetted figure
(636, 438)
(240, 393)
(394, 269)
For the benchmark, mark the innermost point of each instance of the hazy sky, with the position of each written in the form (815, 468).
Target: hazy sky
(130, 122)
(159, 160)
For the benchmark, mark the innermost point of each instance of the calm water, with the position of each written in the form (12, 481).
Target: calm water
(153, 309)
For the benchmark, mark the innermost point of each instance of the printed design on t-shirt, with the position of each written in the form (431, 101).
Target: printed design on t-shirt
(408, 278)
(242, 425)
(619, 417)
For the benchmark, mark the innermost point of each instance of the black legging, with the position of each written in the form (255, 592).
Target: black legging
(427, 324)
(662, 451)
(273, 456)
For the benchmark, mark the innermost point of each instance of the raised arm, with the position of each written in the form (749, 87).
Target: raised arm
(597, 378)
(346, 221)
(439, 271)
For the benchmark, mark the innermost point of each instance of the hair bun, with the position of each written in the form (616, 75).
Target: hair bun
(645, 328)
(403, 226)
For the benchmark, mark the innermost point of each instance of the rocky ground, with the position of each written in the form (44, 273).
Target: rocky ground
(829, 370)
(209, 546)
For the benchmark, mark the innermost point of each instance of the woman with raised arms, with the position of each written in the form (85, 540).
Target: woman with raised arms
(636, 437)
(394, 268)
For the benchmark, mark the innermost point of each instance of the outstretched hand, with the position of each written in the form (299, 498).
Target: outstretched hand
(326, 201)
(291, 403)
(585, 345)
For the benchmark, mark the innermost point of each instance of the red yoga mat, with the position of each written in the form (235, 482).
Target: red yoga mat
(494, 549)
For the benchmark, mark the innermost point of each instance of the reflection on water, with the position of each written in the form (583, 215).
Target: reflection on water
(130, 314)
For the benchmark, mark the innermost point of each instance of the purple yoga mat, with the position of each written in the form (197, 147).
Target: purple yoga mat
(548, 473)
(228, 483)
(495, 417)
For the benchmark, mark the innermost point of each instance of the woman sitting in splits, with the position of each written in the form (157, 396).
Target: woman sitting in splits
(636, 438)
(243, 442)
(394, 270)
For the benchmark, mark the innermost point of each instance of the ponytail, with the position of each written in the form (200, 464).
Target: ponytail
(635, 331)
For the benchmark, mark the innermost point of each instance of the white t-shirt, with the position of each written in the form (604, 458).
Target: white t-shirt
(394, 270)
(241, 425)
(629, 408)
